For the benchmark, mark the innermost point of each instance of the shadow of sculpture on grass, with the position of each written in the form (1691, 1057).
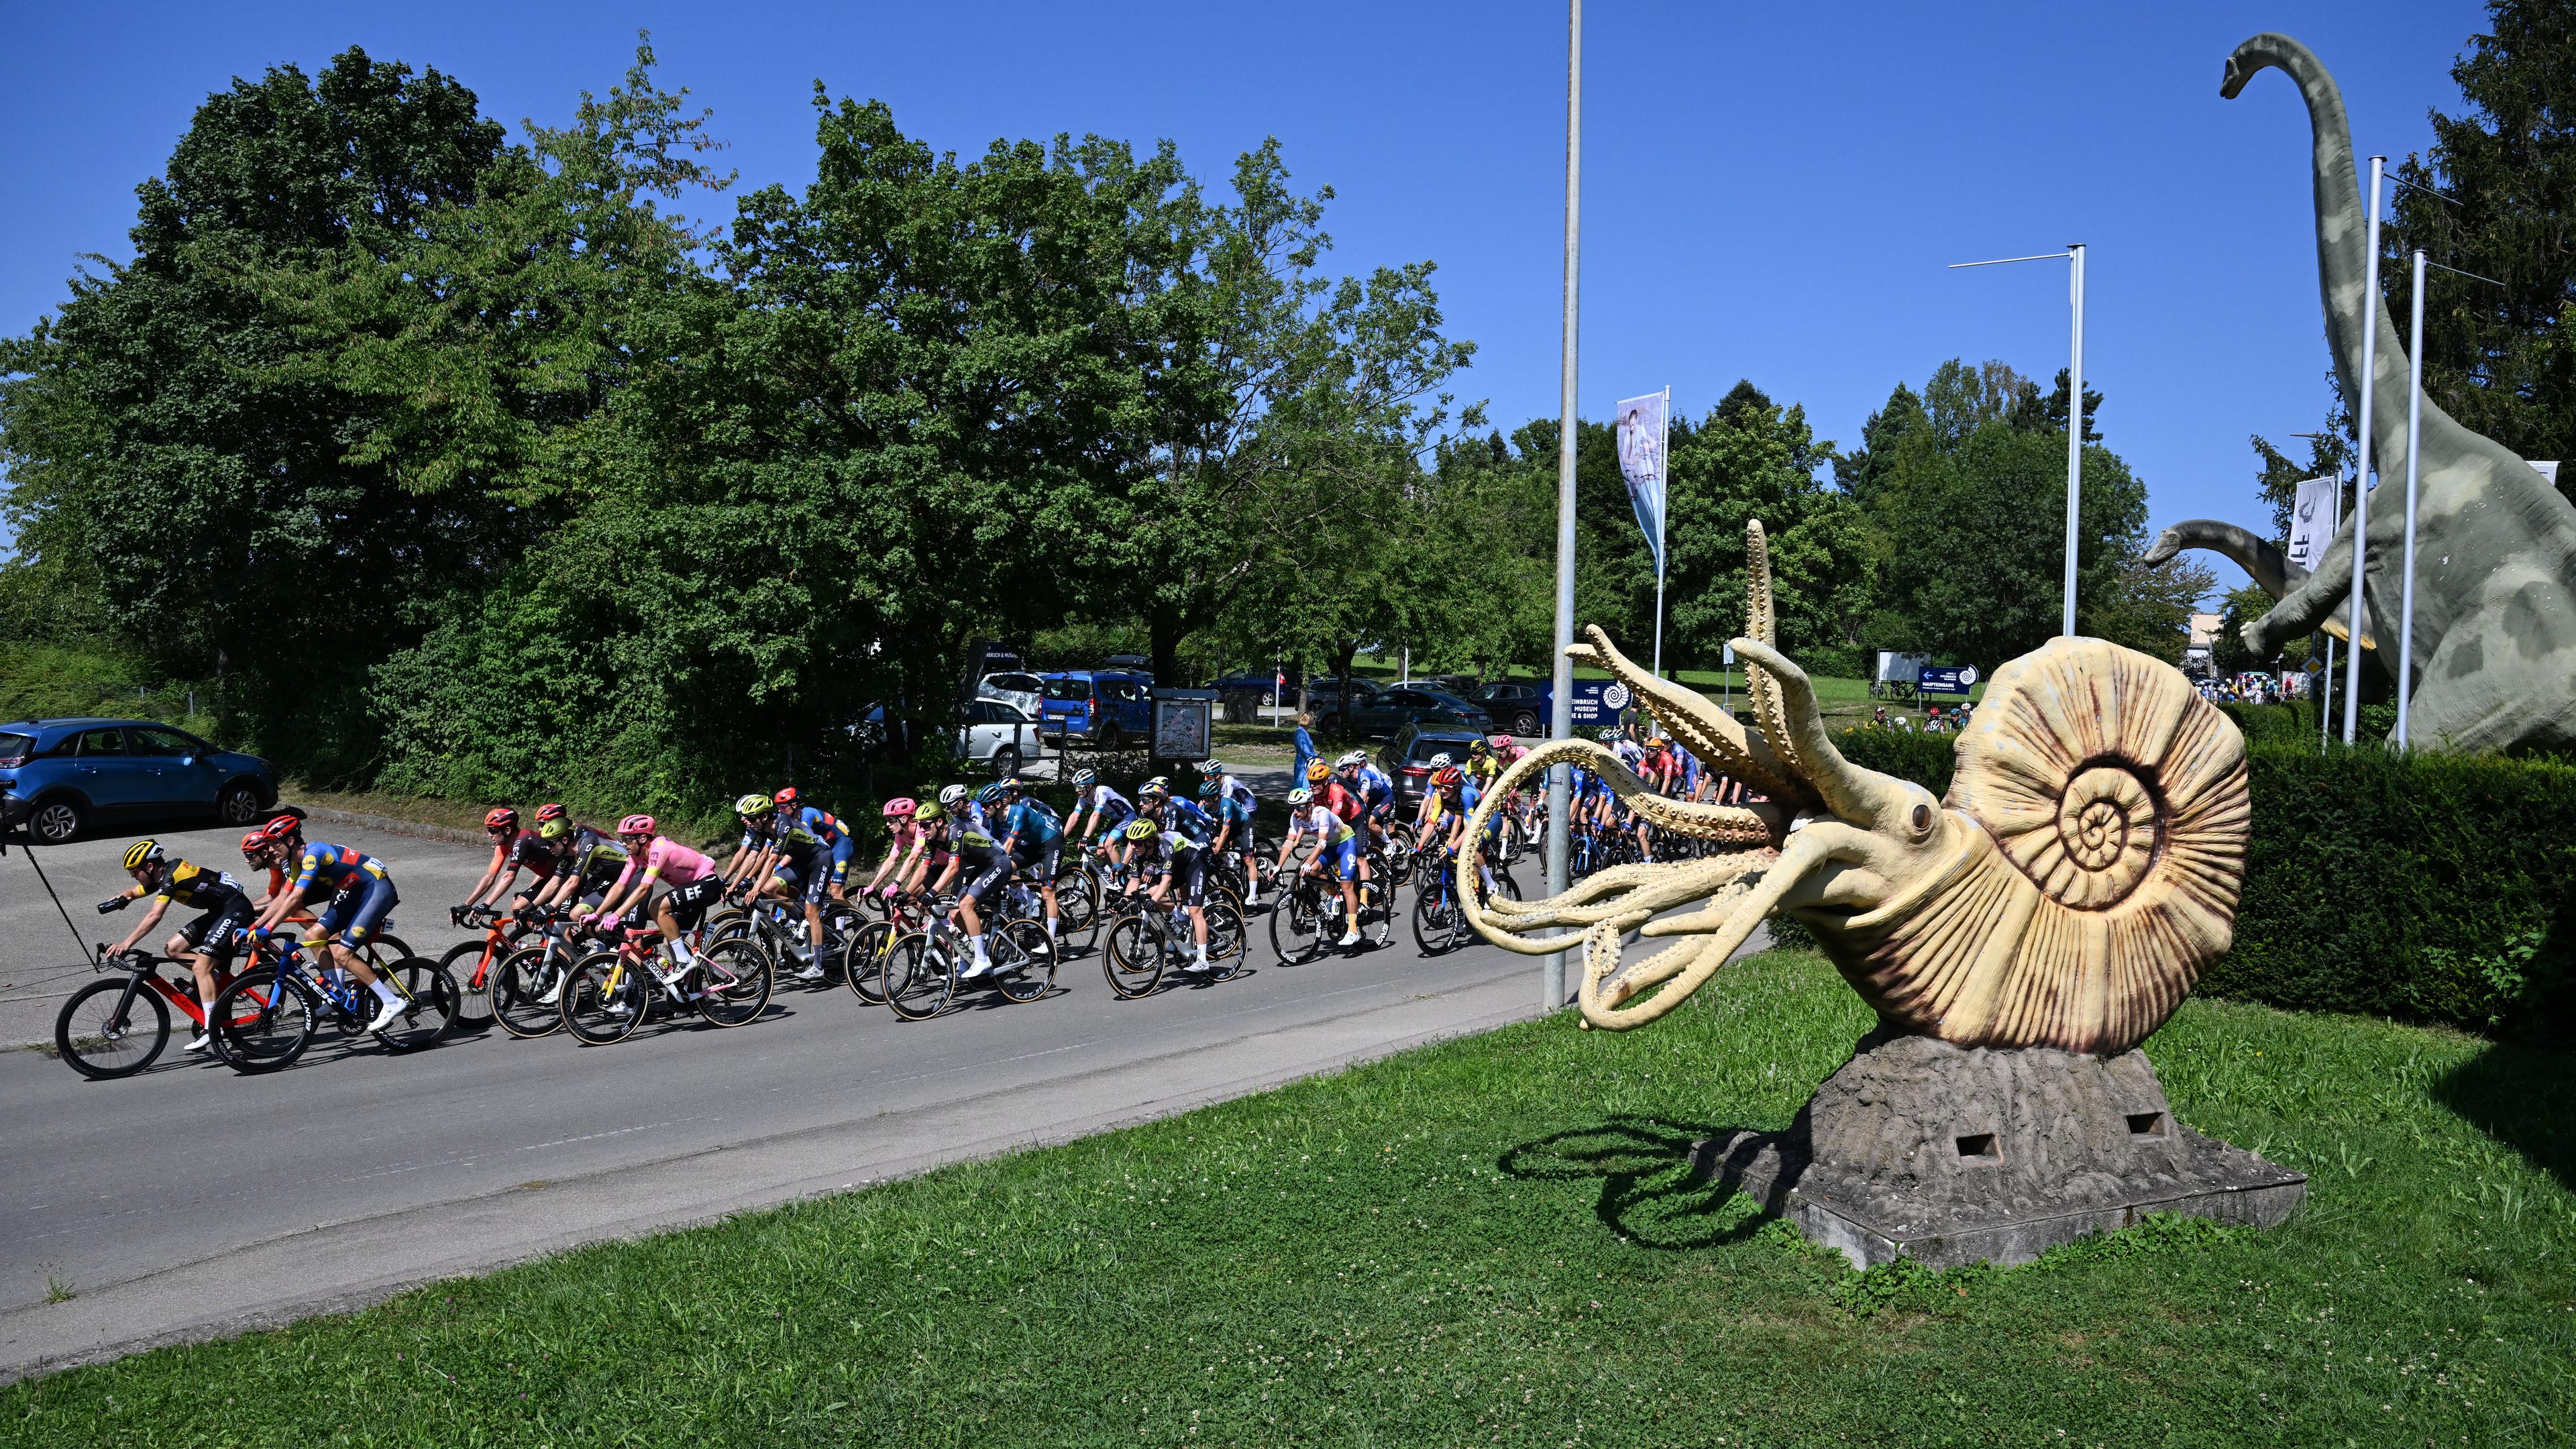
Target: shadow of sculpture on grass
(1652, 1193)
(2523, 1097)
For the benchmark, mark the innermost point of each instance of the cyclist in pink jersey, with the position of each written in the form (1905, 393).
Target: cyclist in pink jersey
(690, 880)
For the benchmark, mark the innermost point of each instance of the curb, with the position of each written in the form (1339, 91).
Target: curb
(416, 828)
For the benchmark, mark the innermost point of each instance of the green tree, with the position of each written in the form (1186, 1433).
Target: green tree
(2498, 199)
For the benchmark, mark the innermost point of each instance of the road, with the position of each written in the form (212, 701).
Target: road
(188, 1201)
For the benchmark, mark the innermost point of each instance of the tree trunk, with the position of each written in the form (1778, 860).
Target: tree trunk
(1342, 668)
(1165, 629)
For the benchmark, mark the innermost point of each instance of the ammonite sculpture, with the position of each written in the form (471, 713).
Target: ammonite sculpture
(2082, 870)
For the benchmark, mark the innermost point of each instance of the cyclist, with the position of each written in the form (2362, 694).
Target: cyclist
(1336, 850)
(1459, 794)
(1481, 762)
(587, 859)
(987, 868)
(362, 895)
(1233, 811)
(690, 883)
(205, 943)
(1426, 816)
(827, 826)
(789, 862)
(907, 848)
(1033, 836)
(1108, 811)
(1375, 791)
(512, 850)
(1168, 863)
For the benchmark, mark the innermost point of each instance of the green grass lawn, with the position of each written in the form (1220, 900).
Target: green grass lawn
(1494, 1241)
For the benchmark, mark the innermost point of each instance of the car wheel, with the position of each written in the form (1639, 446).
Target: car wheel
(239, 804)
(57, 820)
(1525, 723)
(1006, 762)
(1109, 739)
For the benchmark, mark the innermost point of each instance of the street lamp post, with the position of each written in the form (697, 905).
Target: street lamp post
(2074, 254)
(1561, 723)
(2358, 605)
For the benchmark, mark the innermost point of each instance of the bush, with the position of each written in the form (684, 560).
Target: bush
(2426, 887)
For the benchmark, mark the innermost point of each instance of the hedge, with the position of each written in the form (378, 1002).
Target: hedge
(2424, 887)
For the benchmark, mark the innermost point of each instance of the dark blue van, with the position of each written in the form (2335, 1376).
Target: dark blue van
(1103, 706)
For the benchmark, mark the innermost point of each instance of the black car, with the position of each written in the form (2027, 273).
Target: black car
(1517, 706)
(1407, 762)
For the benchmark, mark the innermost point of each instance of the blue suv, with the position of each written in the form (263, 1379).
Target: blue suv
(60, 776)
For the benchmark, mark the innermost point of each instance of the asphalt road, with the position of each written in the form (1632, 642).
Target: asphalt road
(187, 1200)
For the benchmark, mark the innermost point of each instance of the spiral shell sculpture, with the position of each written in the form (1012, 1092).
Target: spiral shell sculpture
(2082, 870)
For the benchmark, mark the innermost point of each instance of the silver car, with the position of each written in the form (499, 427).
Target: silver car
(999, 733)
(1013, 687)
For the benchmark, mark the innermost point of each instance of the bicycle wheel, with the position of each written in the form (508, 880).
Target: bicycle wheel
(603, 999)
(96, 1040)
(1226, 938)
(1296, 928)
(1077, 903)
(1437, 922)
(920, 977)
(263, 1023)
(526, 987)
(429, 1004)
(863, 961)
(1134, 961)
(473, 1002)
(1023, 960)
(1377, 913)
(735, 979)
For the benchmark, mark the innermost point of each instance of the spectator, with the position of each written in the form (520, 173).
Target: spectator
(1305, 750)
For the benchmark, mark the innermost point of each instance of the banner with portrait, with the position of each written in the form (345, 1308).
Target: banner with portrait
(1641, 462)
(2312, 520)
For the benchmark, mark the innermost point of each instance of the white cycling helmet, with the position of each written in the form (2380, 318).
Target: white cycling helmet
(953, 796)
(1353, 760)
(1441, 761)
(1300, 796)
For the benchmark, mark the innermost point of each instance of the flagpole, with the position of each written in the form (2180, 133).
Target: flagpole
(1663, 505)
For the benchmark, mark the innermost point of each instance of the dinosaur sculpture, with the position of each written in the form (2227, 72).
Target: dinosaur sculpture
(2495, 552)
(2082, 870)
(2018, 940)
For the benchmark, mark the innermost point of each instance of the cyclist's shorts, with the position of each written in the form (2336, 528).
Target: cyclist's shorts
(1189, 877)
(213, 932)
(1038, 861)
(1342, 859)
(1381, 811)
(989, 877)
(843, 851)
(356, 912)
(689, 902)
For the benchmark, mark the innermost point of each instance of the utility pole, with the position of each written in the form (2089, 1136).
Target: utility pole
(1561, 723)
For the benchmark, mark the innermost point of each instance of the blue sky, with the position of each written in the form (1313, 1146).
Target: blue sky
(1770, 191)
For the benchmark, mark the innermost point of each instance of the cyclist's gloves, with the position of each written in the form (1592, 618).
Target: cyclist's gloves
(115, 903)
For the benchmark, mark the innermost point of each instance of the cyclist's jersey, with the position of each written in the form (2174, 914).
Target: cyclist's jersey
(1511, 754)
(669, 862)
(1232, 791)
(1630, 753)
(1186, 817)
(200, 889)
(1236, 811)
(821, 824)
(1108, 807)
(1338, 799)
(907, 838)
(1032, 822)
(1319, 821)
(1373, 787)
(1483, 767)
(335, 866)
(968, 836)
(1658, 766)
(593, 855)
(1163, 850)
(529, 849)
(789, 838)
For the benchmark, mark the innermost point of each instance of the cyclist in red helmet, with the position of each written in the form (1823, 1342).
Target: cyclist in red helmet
(362, 895)
(513, 850)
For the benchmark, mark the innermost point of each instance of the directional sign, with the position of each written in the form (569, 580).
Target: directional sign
(1598, 702)
(1946, 678)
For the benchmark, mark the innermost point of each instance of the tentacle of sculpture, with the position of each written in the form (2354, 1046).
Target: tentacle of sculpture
(1759, 624)
(2495, 589)
(2270, 568)
(1721, 743)
(1684, 969)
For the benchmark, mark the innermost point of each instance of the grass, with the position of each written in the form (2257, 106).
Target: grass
(1493, 1240)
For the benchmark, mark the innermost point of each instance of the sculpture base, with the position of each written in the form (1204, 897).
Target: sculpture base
(1950, 1155)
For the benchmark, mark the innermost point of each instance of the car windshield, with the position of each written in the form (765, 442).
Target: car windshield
(14, 748)
(1068, 689)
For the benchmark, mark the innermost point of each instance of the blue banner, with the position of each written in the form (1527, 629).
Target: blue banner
(1946, 679)
(1599, 702)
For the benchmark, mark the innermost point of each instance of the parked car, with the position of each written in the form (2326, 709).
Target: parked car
(1517, 707)
(1407, 762)
(997, 733)
(61, 776)
(1462, 685)
(1373, 711)
(1102, 706)
(1258, 681)
(1014, 687)
(1130, 664)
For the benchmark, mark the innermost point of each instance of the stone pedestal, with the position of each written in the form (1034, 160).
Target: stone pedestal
(1924, 1150)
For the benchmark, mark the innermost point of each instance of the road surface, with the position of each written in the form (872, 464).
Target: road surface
(188, 1201)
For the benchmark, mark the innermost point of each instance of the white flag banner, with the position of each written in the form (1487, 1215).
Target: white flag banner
(2548, 471)
(1641, 462)
(2312, 520)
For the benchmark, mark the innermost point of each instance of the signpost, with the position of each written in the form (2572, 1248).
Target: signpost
(1946, 679)
(1181, 724)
